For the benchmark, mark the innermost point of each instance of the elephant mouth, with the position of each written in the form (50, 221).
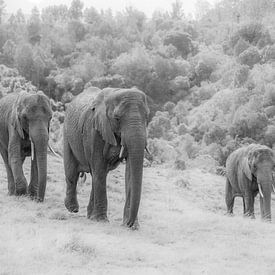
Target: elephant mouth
(112, 154)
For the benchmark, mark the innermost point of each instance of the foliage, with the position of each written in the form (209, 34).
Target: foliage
(209, 81)
(250, 57)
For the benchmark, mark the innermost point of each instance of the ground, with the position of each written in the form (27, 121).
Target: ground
(183, 229)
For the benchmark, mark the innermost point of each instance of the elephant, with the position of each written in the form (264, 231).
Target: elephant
(24, 131)
(101, 128)
(249, 172)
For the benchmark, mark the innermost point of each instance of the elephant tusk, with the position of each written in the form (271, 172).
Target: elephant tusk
(121, 151)
(147, 150)
(52, 150)
(32, 150)
(260, 190)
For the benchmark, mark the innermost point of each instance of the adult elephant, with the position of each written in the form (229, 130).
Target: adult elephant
(249, 172)
(24, 131)
(102, 128)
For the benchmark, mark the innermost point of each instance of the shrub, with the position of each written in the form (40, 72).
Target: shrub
(269, 136)
(269, 96)
(159, 126)
(241, 46)
(215, 134)
(270, 111)
(180, 83)
(252, 33)
(168, 107)
(250, 57)
(102, 82)
(135, 67)
(161, 150)
(181, 41)
(248, 123)
(241, 75)
(269, 53)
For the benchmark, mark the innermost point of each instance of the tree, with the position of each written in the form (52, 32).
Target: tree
(20, 18)
(177, 10)
(24, 60)
(9, 49)
(91, 16)
(202, 8)
(55, 13)
(34, 26)
(75, 10)
(2, 9)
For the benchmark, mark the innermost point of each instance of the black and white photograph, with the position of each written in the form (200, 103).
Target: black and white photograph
(137, 137)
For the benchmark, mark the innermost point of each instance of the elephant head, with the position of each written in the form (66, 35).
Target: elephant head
(31, 115)
(121, 115)
(259, 165)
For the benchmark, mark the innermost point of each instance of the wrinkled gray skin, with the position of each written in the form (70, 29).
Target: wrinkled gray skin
(25, 117)
(249, 169)
(96, 125)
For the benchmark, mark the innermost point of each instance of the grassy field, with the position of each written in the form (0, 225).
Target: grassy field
(183, 229)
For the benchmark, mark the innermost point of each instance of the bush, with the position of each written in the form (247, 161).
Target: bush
(241, 46)
(269, 96)
(181, 41)
(169, 107)
(215, 134)
(160, 126)
(269, 53)
(248, 123)
(250, 57)
(269, 136)
(102, 82)
(241, 75)
(161, 150)
(135, 67)
(252, 33)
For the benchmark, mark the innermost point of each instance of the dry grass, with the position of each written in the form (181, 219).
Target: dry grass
(183, 230)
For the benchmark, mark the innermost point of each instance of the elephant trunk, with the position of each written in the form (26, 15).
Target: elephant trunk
(135, 142)
(265, 185)
(39, 137)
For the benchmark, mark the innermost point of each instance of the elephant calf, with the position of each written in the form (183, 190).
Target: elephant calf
(101, 128)
(24, 131)
(249, 172)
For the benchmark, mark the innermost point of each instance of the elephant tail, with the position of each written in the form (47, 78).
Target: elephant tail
(82, 178)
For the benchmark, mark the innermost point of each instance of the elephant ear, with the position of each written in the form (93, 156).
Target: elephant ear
(246, 169)
(15, 121)
(100, 120)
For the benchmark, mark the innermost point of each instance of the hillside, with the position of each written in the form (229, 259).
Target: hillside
(183, 229)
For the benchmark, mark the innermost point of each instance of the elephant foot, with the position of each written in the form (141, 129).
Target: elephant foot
(71, 205)
(134, 226)
(229, 214)
(96, 215)
(98, 218)
(21, 190)
(39, 199)
(249, 215)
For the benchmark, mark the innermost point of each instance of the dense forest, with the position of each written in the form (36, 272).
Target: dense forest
(210, 80)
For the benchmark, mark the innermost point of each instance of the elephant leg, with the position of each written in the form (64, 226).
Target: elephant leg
(126, 212)
(11, 183)
(19, 178)
(229, 197)
(33, 186)
(97, 207)
(71, 174)
(248, 201)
